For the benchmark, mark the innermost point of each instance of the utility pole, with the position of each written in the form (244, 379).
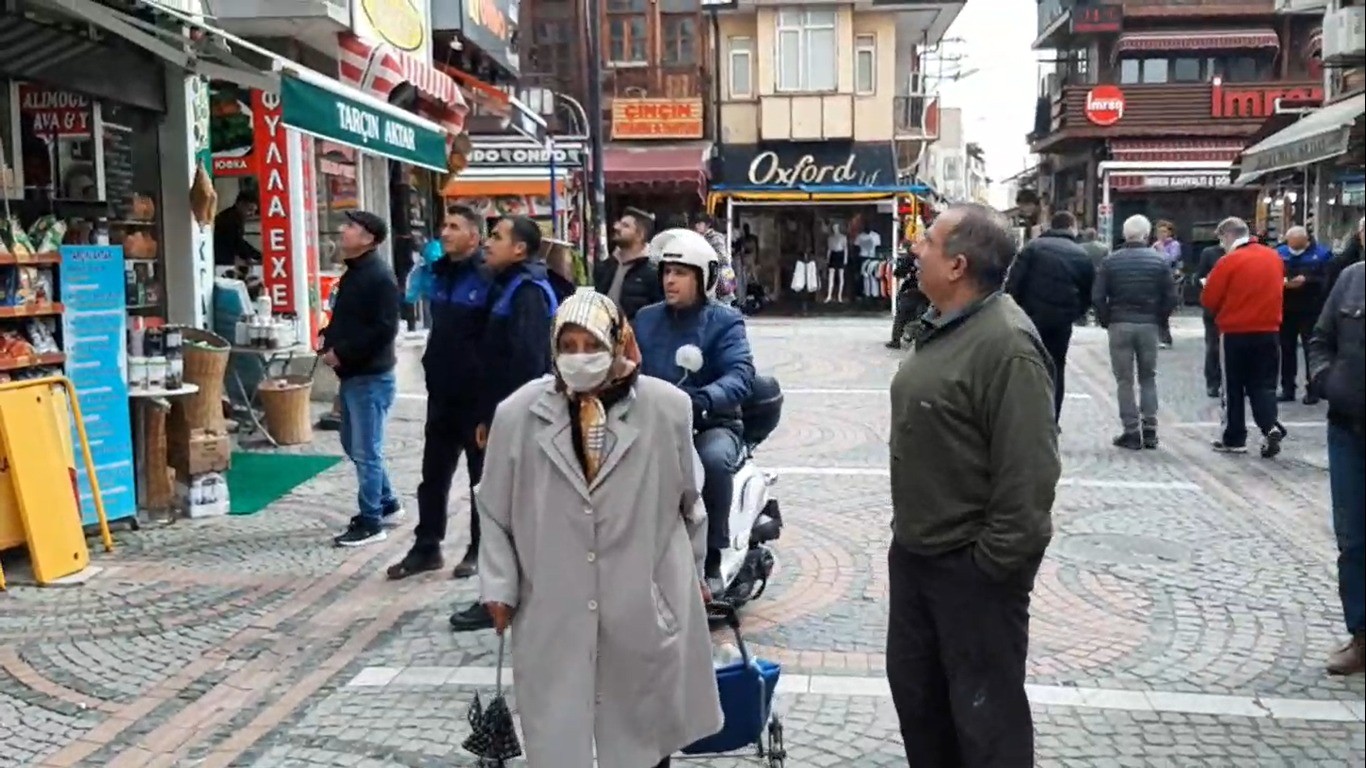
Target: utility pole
(598, 183)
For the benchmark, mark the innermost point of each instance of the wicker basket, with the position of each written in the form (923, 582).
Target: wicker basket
(206, 363)
(285, 402)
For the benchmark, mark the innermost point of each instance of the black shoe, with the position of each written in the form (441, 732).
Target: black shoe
(392, 515)
(415, 562)
(1286, 396)
(1220, 446)
(359, 533)
(1150, 439)
(1310, 399)
(468, 565)
(328, 422)
(1213, 392)
(1129, 440)
(471, 619)
(1271, 442)
(893, 345)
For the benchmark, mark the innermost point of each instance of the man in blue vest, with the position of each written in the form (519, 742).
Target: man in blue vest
(457, 294)
(515, 345)
(1306, 266)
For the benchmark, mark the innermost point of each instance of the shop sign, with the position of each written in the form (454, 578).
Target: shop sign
(328, 115)
(54, 112)
(656, 119)
(799, 163)
(490, 25)
(1105, 105)
(232, 132)
(1174, 181)
(312, 265)
(404, 24)
(1097, 19)
(565, 157)
(1314, 149)
(1240, 103)
(273, 165)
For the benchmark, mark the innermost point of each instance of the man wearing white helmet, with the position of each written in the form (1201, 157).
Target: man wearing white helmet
(690, 315)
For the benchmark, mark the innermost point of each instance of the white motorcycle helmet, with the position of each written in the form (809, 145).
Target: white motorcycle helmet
(686, 247)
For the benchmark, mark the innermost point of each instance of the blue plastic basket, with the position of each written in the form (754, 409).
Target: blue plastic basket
(746, 691)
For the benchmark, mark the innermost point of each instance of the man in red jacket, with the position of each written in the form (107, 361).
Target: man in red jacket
(1245, 293)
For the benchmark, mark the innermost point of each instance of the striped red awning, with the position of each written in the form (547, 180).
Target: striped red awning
(656, 164)
(1197, 40)
(379, 68)
(1175, 150)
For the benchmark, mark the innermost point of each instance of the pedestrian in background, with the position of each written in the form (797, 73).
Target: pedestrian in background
(1351, 253)
(1132, 293)
(1214, 371)
(704, 225)
(974, 466)
(1337, 371)
(1245, 291)
(910, 301)
(457, 297)
(1093, 247)
(1306, 268)
(630, 278)
(610, 647)
(358, 344)
(1171, 251)
(1051, 281)
(514, 347)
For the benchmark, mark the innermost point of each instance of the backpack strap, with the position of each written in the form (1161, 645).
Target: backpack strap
(503, 306)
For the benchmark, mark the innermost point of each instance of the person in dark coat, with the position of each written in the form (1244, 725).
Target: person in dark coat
(1306, 267)
(1051, 281)
(514, 347)
(629, 278)
(910, 302)
(458, 297)
(359, 345)
(230, 246)
(1351, 253)
(1214, 372)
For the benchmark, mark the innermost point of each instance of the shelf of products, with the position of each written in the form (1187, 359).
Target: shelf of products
(30, 329)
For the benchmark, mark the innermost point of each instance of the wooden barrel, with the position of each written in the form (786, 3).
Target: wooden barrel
(285, 403)
(206, 363)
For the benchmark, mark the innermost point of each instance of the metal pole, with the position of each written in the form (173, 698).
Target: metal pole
(598, 185)
(554, 193)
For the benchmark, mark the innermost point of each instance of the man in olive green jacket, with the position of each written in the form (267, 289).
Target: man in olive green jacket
(974, 467)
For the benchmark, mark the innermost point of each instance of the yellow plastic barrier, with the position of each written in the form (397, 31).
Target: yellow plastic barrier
(36, 447)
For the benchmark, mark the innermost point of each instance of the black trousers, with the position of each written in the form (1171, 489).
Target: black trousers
(449, 432)
(909, 307)
(1214, 372)
(956, 647)
(1296, 328)
(1164, 330)
(1251, 361)
(1056, 340)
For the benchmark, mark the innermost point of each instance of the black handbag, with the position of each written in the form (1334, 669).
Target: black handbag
(493, 736)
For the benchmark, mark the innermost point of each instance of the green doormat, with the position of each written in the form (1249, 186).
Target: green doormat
(257, 479)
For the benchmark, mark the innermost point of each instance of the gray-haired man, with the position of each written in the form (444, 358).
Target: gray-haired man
(1132, 293)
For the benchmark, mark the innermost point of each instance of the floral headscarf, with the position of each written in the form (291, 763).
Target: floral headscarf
(599, 315)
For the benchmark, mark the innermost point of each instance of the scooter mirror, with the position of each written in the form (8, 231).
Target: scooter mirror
(689, 358)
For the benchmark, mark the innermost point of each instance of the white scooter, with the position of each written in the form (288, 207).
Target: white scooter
(755, 520)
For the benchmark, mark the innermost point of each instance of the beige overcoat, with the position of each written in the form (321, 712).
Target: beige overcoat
(609, 641)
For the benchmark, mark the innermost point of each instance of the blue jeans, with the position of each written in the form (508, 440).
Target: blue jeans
(365, 404)
(1346, 456)
(719, 449)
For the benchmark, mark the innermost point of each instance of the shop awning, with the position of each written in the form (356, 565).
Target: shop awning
(1175, 150)
(379, 69)
(310, 102)
(657, 164)
(1322, 135)
(1197, 40)
(495, 101)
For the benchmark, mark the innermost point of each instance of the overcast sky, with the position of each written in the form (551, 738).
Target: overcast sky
(998, 100)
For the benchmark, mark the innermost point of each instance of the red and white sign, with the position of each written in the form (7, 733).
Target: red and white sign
(273, 173)
(1105, 105)
(54, 112)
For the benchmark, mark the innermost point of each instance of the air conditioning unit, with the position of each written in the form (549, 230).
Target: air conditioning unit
(1344, 36)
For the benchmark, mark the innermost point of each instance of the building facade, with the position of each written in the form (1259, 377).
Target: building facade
(944, 164)
(1149, 105)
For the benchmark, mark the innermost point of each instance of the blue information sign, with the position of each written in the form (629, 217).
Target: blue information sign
(93, 332)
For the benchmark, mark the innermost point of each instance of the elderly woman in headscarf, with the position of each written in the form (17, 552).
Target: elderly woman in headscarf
(592, 553)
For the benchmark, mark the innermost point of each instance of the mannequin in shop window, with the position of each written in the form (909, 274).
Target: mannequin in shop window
(837, 250)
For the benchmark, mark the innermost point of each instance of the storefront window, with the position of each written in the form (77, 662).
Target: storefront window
(337, 193)
(1154, 70)
(1129, 71)
(1187, 71)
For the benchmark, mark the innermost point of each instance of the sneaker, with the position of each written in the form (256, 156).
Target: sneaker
(1165, 345)
(390, 517)
(1220, 446)
(1271, 442)
(471, 619)
(359, 533)
(1129, 441)
(893, 345)
(415, 562)
(1150, 439)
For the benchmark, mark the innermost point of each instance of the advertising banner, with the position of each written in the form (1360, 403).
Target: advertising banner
(277, 250)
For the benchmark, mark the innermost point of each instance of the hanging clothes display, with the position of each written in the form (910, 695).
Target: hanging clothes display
(806, 276)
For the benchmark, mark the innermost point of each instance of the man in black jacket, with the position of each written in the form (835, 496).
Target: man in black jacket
(358, 344)
(1214, 372)
(629, 278)
(910, 302)
(1051, 281)
(515, 345)
(459, 299)
(1133, 292)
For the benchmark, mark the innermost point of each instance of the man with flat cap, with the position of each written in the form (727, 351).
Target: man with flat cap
(359, 345)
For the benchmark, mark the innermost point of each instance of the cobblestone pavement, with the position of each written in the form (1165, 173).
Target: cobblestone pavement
(1181, 618)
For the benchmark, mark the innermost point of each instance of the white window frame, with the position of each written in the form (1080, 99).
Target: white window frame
(865, 45)
(741, 58)
(795, 27)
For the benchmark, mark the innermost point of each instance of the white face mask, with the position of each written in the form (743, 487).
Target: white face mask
(584, 372)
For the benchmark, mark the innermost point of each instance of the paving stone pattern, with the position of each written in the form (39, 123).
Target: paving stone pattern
(231, 641)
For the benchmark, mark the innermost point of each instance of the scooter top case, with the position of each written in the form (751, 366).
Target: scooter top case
(762, 411)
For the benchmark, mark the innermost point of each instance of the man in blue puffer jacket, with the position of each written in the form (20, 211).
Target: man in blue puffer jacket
(1306, 267)
(689, 315)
